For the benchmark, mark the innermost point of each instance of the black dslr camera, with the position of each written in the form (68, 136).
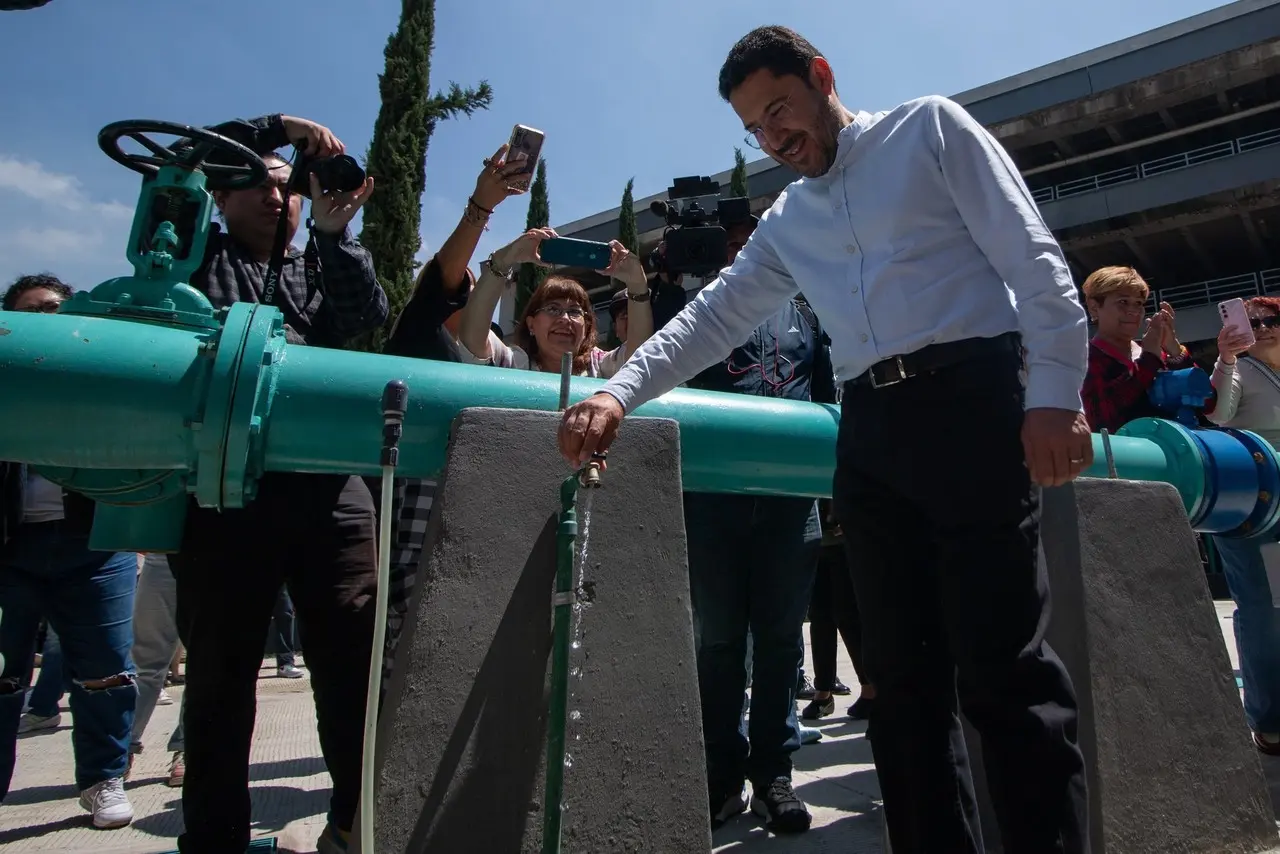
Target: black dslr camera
(695, 238)
(337, 174)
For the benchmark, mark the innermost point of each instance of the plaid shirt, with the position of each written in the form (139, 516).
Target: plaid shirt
(346, 300)
(1116, 388)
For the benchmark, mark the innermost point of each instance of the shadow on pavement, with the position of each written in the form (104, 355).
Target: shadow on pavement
(861, 832)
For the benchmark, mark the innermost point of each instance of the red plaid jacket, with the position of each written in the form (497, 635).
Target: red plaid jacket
(1116, 387)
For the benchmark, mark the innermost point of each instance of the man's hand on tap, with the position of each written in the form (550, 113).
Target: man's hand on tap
(588, 428)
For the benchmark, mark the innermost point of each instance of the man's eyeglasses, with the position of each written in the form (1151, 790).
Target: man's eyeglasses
(556, 312)
(50, 307)
(755, 137)
(1272, 322)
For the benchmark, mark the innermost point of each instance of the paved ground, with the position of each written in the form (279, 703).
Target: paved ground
(289, 785)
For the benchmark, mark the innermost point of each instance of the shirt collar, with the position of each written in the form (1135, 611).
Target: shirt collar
(847, 138)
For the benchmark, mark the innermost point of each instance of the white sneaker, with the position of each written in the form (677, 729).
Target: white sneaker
(31, 722)
(108, 803)
(164, 699)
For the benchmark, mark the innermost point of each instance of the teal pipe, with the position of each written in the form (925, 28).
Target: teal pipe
(557, 712)
(113, 407)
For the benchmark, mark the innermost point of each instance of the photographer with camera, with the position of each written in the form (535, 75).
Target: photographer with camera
(314, 533)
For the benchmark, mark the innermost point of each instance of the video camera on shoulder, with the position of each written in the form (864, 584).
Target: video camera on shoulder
(695, 238)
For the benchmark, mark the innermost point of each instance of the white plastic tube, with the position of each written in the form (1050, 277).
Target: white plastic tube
(369, 770)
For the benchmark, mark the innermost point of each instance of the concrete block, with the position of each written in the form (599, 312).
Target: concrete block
(464, 728)
(1171, 767)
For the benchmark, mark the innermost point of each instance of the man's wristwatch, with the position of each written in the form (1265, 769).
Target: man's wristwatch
(644, 297)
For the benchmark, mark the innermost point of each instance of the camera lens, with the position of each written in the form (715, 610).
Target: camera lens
(338, 174)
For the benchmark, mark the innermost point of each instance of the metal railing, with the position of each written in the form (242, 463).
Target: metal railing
(1151, 168)
(1261, 283)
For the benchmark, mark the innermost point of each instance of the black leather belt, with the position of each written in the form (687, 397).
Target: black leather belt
(933, 358)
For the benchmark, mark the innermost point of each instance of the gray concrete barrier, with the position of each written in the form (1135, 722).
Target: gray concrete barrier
(1171, 767)
(463, 734)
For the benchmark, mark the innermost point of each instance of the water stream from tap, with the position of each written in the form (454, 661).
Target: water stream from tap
(580, 604)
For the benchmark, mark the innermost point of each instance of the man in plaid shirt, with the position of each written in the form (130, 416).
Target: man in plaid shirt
(315, 533)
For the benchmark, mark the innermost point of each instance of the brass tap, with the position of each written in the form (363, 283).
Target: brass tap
(589, 477)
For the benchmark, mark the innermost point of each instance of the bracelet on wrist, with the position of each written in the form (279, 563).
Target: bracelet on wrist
(472, 201)
(493, 267)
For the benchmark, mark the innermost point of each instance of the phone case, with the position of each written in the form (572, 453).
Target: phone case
(1234, 314)
(528, 141)
(571, 252)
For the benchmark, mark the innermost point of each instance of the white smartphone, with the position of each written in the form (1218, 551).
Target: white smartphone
(1235, 315)
(527, 141)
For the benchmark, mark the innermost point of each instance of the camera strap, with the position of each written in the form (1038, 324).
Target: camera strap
(311, 255)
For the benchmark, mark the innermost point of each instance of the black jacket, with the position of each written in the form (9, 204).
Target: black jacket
(788, 356)
(77, 510)
(419, 332)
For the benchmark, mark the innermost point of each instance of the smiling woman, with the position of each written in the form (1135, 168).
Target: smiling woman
(558, 319)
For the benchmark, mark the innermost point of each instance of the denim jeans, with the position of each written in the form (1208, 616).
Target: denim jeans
(155, 639)
(1257, 628)
(53, 682)
(87, 598)
(751, 567)
(283, 620)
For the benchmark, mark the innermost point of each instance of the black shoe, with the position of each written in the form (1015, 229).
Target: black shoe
(861, 709)
(842, 689)
(780, 807)
(804, 689)
(819, 709)
(726, 803)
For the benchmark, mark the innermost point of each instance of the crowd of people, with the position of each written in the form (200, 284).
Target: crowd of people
(907, 273)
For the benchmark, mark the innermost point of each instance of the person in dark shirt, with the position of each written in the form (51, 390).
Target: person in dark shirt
(313, 533)
(752, 561)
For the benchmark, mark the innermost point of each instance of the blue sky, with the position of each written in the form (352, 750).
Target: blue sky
(621, 90)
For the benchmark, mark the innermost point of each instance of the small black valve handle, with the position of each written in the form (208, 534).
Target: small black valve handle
(395, 400)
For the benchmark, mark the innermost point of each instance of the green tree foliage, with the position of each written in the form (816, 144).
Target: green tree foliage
(627, 234)
(531, 275)
(738, 179)
(398, 153)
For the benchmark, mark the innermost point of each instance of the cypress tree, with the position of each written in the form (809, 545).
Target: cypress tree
(398, 153)
(539, 216)
(627, 234)
(738, 179)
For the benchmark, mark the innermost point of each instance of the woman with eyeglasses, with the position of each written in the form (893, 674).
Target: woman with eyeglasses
(1247, 379)
(1123, 364)
(558, 318)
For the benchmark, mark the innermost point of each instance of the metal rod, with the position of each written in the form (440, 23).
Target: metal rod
(1106, 450)
(566, 374)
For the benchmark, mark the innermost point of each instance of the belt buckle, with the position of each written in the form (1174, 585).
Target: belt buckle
(902, 375)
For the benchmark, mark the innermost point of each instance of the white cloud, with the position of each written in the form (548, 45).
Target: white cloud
(29, 178)
(54, 242)
(49, 221)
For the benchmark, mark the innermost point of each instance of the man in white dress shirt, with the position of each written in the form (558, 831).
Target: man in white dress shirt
(916, 241)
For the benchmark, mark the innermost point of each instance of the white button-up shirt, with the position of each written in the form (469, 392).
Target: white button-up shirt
(922, 232)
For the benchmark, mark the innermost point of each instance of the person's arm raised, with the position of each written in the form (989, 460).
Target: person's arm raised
(473, 328)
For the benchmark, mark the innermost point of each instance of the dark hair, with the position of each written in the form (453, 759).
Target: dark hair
(38, 281)
(559, 288)
(781, 50)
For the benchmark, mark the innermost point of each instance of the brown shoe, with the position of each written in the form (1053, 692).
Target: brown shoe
(177, 771)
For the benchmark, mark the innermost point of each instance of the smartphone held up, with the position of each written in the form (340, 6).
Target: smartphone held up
(1235, 316)
(525, 145)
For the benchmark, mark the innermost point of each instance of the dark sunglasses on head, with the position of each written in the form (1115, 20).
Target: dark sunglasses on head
(1272, 322)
